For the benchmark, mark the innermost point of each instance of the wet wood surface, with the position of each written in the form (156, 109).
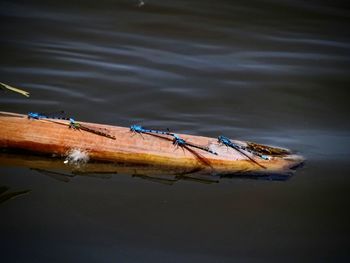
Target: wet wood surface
(55, 138)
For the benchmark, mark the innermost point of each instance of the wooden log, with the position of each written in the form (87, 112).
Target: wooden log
(53, 137)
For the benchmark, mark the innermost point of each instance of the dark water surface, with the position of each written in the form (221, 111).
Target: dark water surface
(275, 72)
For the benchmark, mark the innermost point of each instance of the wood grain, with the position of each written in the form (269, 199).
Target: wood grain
(53, 137)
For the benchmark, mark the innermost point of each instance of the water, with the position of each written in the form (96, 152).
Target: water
(275, 72)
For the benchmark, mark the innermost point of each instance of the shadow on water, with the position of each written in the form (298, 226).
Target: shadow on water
(58, 170)
(6, 195)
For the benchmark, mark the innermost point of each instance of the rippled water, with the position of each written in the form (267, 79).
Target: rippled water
(270, 71)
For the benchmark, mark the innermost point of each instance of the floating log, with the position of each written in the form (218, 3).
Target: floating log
(54, 138)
